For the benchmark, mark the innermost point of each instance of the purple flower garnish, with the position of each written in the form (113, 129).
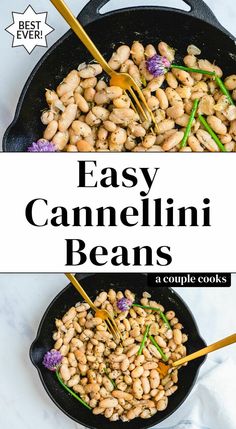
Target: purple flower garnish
(52, 360)
(42, 146)
(124, 304)
(157, 65)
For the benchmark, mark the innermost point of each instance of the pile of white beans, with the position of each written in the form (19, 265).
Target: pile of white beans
(91, 357)
(86, 114)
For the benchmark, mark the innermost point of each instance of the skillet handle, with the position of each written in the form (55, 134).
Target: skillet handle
(199, 9)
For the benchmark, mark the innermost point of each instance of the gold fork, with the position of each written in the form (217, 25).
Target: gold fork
(123, 80)
(102, 313)
(164, 368)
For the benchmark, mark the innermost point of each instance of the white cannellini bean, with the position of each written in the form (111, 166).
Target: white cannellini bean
(67, 117)
(173, 140)
(51, 130)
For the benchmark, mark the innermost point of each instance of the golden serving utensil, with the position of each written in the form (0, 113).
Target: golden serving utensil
(123, 80)
(102, 313)
(164, 368)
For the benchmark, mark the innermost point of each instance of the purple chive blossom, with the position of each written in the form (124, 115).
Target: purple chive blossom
(124, 304)
(42, 146)
(52, 360)
(157, 65)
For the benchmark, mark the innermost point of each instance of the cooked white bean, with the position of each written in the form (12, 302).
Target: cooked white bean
(64, 372)
(67, 117)
(47, 117)
(90, 71)
(171, 80)
(183, 76)
(173, 140)
(162, 97)
(176, 111)
(173, 96)
(81, 128)
(207, 141)
(60, 140)
(137, 52)
(195, 144)
(217, 125)
(230, 82)
(162, 404)
(51, 130)
(70, 83)
(206, 105)
(155, 83)
(166, 51)
(81, 103)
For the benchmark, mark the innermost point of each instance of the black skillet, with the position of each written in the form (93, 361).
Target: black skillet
(147, 24)
(94, 284)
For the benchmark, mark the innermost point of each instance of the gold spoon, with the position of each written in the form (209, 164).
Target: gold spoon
(164, 368)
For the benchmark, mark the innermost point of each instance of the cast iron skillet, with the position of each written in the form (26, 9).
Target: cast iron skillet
(94, 284)
(147, 24)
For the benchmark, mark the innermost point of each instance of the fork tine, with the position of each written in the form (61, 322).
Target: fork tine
(148, 109)
(114, 326)
(111, 329)
(138, 103)
(131, 102)
(143, 99)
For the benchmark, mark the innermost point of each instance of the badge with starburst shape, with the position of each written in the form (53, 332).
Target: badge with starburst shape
(29, 29)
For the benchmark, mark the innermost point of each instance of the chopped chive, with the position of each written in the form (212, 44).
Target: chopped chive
(71, 391)
(191, 70)
(211, 132)
(109, 378)
(190, 122)
(223, 88)
(154, 309)
(164, 357)
(144, 340)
